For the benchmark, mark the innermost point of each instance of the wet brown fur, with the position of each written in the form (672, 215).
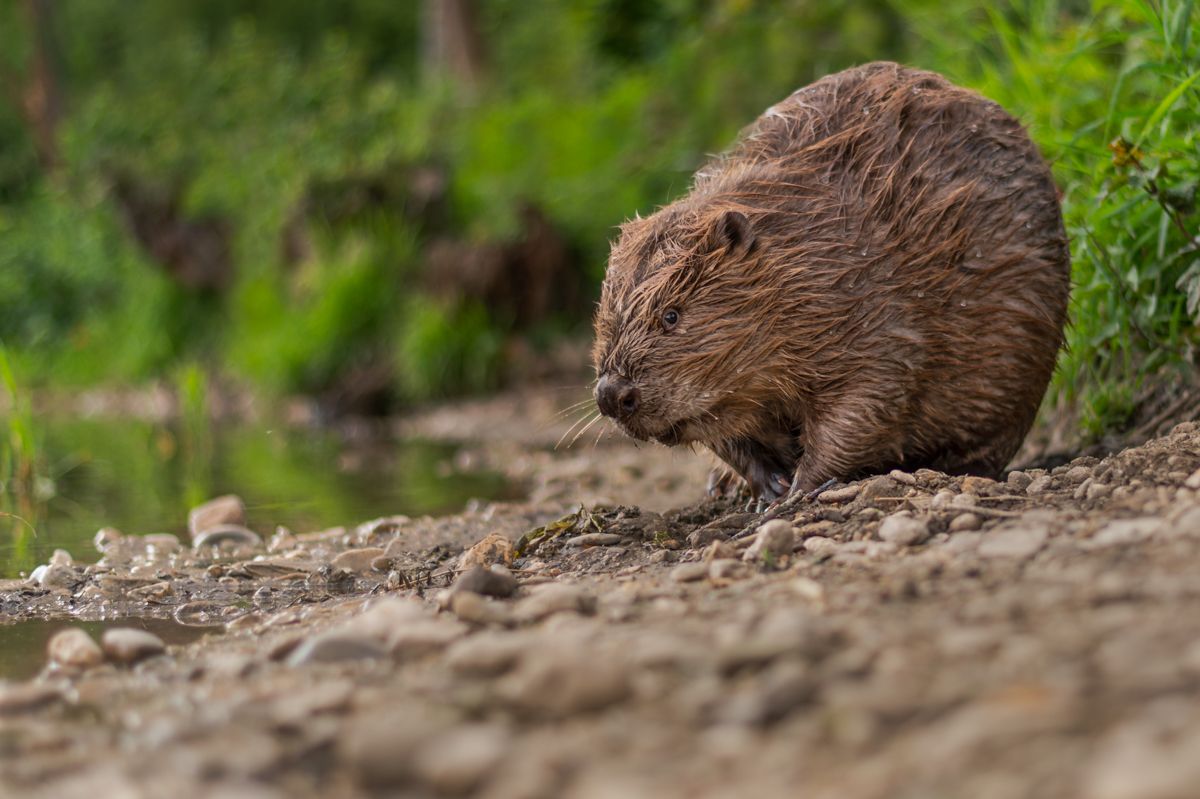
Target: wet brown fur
(875, 275)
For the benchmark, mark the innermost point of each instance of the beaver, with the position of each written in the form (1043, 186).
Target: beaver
(875, 276)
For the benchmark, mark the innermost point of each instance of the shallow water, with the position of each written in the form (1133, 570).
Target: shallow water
(23, 645)
(142, 477)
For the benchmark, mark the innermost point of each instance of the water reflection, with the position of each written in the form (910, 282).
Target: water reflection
(141, 478)
(23, 645)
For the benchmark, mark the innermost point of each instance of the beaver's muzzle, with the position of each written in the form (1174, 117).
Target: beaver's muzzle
(617, 398)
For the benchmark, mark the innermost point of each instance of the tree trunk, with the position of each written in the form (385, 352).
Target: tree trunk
(452, 45)
(40, 96)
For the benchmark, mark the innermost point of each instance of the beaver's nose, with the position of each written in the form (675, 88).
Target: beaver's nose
(617, 397)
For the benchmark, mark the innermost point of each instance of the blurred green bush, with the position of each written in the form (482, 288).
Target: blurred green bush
(332, 161)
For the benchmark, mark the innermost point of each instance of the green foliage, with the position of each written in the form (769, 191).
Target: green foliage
(1110, 94)
(447, 349)
(590, 110)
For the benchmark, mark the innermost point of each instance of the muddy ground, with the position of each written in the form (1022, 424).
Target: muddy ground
(909, 635)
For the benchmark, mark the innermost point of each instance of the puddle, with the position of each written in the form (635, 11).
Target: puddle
(141, 478)
(23, 645)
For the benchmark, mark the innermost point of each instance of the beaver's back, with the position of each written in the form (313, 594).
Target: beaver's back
(930, 263)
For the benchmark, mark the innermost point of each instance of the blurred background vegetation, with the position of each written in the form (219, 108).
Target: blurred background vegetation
(378, 203)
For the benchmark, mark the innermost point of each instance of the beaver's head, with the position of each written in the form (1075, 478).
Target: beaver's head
(684, 325)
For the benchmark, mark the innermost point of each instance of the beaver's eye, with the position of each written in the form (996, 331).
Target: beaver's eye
(670, 318)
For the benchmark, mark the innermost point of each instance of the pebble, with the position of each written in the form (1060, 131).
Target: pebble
(1018, 480)
(457, 761)
(689, 572)
(105, 537)
(819, 543)
(228, 509)
(1125, 531)
(550, 598)
(1039, 485)
(486, 654)
(1098, 491)
(494, 548)
(942, 499)
(881, 486)
(964, 522)
(807, 588)
(226, 534)
(904, 478)
(1077, 474)
(1194, 480)
(53, 576)
(1013, 542)
(16, 698)
(74, 648)
(478, 609)
(979, 486)
(129, 645)
(774, 540)
(727, 569)
(964, 501)
(160, 545)
(562, 679)
(594, 540)
(334, 646)
(356, 561)
(903, 529)
(839, 495)
(495, 581)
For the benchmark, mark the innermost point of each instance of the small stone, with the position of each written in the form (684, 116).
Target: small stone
(478, 609)
(594, 540)
(1077, 474)
(904, 478)
(356, 561)
(976, 485)
(881, 486)
(964, 501)
(494, 548)
(129, 645)
(159, 545)
(772, 541)
(964, 522)
(1013, 542)
(1039, 485)
(563, 679)
(495, 581)
(1082, 489)
(53, 576)
(1126, 531)
(839, 495)
(903, 529)
(552, 598)
(105, 537)
(219, 534)
(1018, 481)
(486, 654)
(942, 499)
(807, 588)
(61, 557)
(17, 698)
(228, 509)
(727, 569)
(1098, 491)
(690, 572)
(457, 761)
(1194, 480)
(336, 645)
(75, 649)
(818, 544)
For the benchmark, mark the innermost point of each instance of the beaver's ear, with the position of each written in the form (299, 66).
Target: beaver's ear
(731, 231)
